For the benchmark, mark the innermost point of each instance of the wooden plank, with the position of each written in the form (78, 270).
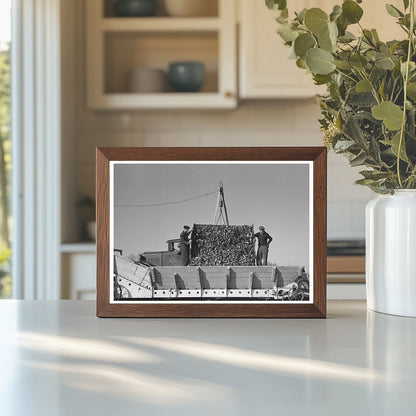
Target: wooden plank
(160, 24)
(346, 264)
(346, 278)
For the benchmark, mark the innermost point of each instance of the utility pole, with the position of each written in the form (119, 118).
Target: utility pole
(221, 214)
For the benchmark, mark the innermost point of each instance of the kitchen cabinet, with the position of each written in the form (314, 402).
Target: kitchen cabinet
(265, 70)
(118, 45)
(78, 263)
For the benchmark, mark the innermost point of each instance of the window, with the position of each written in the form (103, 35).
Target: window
(5, 147)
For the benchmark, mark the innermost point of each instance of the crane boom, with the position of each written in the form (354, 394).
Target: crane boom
(221, 213)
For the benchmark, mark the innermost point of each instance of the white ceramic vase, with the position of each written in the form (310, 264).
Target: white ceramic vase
(391, 253)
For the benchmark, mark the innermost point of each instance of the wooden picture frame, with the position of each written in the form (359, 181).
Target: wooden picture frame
(316, 160)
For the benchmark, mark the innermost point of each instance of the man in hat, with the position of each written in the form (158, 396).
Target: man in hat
(184, 245)
(263, 240)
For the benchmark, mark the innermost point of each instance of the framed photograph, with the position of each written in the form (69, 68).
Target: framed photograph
(211, 232)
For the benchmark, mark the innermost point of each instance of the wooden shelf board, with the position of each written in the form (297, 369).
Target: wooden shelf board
(345, 278)
(80, 247)
(163, 100)
(160, 24)
(346, 264)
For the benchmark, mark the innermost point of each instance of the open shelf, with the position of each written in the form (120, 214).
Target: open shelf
(126, 51)
(119, 45)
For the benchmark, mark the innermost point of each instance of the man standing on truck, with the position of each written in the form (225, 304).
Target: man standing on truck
(184, 245)
(263, 240)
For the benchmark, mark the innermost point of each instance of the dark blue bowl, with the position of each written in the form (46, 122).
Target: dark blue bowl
(135, 8)
(186, 76)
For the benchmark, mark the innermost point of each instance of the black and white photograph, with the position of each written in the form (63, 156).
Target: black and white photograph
(211, 231)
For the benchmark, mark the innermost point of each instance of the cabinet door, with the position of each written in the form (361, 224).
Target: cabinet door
(78, 276)
(376, 17)
(265, 68)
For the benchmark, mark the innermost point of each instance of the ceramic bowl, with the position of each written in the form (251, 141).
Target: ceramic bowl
(186, 76)
(147, 80)
(135, 8)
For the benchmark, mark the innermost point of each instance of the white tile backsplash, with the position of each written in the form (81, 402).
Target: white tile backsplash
(257, 123)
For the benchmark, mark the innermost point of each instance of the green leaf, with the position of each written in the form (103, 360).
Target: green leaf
(377, 75)
(301, 63)
(316, 20)
(406, 4)
(412, 67)
(276, 4)
(301, 15)
(347, 37)
(411, 90)
(358, 160)
(344, 65)
(374, 175)
(354, 132)
(393, 11)
(321, 79)
(333, 32)
(384, 62)
(303, 43)
(388, 112)
(325, 42)
(336, 12)
(363, 86)
(351, 11)
(358, 61)
(375, 35)
(394, 145)
(365, 182)
(281, 19)
(287, 33)
(405, 21)
(374, 150)
(319, 61)
(343, 145)
(362, 99)
(382, 89)
(368, 36)
(342, 25)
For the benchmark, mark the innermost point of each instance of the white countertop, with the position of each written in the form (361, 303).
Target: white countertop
(57, 358)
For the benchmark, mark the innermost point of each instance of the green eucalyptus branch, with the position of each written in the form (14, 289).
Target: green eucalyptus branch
(406, 80)
(370, 106)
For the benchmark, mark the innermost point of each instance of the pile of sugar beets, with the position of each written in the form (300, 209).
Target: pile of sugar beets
(222, 245)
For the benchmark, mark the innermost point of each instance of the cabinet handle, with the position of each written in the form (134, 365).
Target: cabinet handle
(229, 94)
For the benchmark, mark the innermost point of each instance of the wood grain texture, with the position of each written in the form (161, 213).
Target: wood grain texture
(233, 309)
(346, 264)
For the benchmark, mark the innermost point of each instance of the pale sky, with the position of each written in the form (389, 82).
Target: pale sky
(275, 196)
(5, 20)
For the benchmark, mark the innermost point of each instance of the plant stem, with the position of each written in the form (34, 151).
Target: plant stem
(406, 80)
(346, 75)
(373, 88)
